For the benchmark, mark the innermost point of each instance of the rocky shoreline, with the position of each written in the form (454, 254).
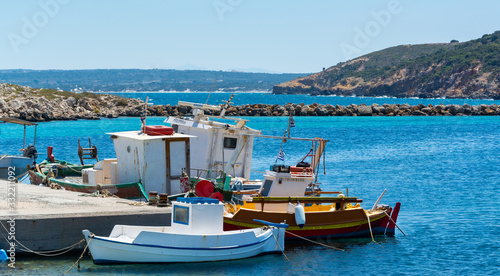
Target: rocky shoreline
(38, 105)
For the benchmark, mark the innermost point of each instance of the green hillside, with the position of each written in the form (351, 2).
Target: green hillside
(457, 70)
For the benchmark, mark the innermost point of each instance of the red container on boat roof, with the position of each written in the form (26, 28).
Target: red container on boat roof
(158, 130)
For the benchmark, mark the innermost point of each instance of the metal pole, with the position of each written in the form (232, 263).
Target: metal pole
(24, 137)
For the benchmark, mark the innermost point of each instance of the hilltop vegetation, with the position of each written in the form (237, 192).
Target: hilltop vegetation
(144, 80)
(452, 70)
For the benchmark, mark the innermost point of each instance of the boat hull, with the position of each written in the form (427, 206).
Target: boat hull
(122, 190)
(187, 248)
(348, 223)
(13, 166)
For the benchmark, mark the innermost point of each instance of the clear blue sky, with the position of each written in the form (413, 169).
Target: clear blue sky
(249, 35)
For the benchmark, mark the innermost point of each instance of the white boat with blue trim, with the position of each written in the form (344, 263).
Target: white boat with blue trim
(195, 235)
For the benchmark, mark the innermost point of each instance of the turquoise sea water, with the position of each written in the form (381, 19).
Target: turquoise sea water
(444, 170)
(162, 98)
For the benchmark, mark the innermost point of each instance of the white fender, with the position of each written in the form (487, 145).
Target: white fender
(300, 215)
(290, 208)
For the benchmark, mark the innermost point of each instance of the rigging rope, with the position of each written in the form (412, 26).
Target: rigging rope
(394, 223)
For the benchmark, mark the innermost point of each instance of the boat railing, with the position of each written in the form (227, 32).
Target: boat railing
(304, 199)
(209, 174)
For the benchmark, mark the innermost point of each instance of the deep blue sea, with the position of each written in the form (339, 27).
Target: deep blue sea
(444, 170)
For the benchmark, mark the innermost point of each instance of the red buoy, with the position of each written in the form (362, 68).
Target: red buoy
(158, 130)
(204, 188)
(50, 156)
(218, 196)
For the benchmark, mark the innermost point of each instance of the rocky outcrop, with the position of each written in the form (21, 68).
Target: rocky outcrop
(448, 70)
(40, 105)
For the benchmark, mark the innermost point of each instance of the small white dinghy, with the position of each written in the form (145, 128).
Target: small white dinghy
(196, 235)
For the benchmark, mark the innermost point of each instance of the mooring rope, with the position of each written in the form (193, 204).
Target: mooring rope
(81, 256)
(318, 243)
(75, 170)
(370, 227)
(45, 253)
(282, 251)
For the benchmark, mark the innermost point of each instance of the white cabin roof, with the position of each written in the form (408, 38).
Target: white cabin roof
(142, 136)
(208, 124)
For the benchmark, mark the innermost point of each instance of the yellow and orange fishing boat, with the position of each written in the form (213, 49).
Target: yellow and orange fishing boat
(290, 194)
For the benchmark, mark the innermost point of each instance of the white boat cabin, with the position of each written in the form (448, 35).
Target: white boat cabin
(197, 215)
(282, 182)
(155, 160)
(217, 146)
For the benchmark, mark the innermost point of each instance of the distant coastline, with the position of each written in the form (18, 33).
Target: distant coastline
(144, 80)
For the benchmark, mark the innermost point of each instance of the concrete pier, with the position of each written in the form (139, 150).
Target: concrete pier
(45, 219)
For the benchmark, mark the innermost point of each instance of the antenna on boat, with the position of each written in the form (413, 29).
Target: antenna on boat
(144, 115)
(291, 122)
(211, 91)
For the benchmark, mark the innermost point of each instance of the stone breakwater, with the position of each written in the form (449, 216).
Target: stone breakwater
(40, 105)
(363, 110)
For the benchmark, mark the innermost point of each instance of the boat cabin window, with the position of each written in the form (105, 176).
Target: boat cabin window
(266, 187)
(230, 143)
(181, 214)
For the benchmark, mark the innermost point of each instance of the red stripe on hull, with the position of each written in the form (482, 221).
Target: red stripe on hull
(378, 228)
